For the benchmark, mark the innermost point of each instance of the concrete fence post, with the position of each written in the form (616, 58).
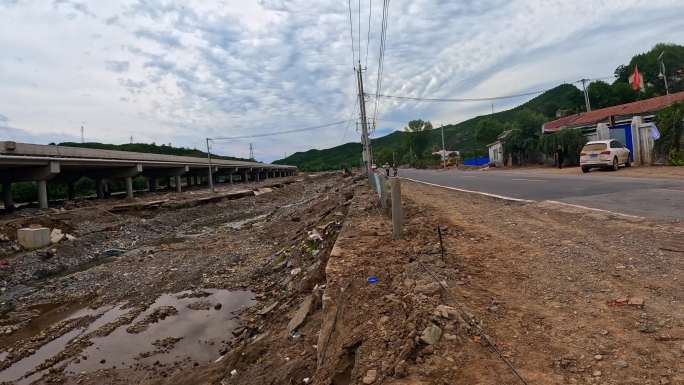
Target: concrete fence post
(397, 216)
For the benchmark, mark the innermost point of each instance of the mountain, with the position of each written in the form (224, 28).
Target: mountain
(459, 136)
(149, 148)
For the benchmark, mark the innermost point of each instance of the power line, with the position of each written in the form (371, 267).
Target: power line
(458, 99)
(381, 55)
(280, 132)
(351, 33)
(370, 13)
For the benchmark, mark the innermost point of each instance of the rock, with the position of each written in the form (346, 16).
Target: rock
(664, 381)
(621, 364)
(598, 357)
(636, 301)
(56, 235)
(4, 238)
(445, 311)
(33, 237)
(431, 334)
(315, 236)
(300, 316)
(70, 237)
(597, 373)
(370, 377)
(427, 289)
(401, 369)
(296, 271)
(218, 306)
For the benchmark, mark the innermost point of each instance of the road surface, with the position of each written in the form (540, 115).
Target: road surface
(654, 198)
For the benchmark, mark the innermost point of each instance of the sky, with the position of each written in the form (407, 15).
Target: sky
(180, 71)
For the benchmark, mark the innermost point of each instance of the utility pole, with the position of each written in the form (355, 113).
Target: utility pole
(82, 134)
(367, 159)
(492, 108)
(663, 73)
(251, 151)
(443, 148)
(211, 176)
(586, 95)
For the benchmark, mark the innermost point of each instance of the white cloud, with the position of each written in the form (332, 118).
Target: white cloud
(172, 71)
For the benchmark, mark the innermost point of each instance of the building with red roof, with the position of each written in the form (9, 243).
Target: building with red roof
(630, 123)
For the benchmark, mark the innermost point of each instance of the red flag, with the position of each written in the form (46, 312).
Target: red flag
(635, 80)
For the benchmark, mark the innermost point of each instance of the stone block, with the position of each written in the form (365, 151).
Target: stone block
(33, 237)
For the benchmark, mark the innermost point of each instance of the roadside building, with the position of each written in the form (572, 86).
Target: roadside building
(630, 123)
(496, 150)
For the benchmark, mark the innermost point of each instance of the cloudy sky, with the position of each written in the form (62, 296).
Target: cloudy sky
(180, 71)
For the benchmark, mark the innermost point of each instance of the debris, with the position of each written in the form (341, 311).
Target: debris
(314, 235)
(218, 306)
(4, 238)
(300, 315)
(370, 377)
(295, 271)
(428, 288)
(33, 237)
(267, 309)
(373, 279)
(233, 373)
(114, 252)
(306, 380)
(56, 236)
(431, 334)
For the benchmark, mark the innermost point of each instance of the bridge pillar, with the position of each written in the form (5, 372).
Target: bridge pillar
(7, 196)
(179, 184)
(71, 189)
(99, 187)
(153, 184)
(129, 187)
(188, 181)
(42, 194)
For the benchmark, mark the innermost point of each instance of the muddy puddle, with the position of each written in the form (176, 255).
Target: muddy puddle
(52, 315)
(195, 333)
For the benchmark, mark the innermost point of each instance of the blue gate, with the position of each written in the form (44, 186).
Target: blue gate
(623, 134)
(479, 161)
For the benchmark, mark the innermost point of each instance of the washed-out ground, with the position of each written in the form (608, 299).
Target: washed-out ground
(304, 285)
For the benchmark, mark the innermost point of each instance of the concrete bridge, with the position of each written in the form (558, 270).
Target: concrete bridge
(58, 164)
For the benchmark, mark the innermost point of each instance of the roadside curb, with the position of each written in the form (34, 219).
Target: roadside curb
(496, 196)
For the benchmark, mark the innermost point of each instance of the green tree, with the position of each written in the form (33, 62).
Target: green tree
(418, 139)
(601, 95)
(669, 122)
(487, 130)
(571, 141)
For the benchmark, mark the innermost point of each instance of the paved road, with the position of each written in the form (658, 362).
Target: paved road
(655, 198)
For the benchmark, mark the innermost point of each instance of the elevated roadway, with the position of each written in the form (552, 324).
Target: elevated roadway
(59, 164)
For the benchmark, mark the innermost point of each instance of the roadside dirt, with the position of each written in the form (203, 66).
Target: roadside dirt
(569, 296)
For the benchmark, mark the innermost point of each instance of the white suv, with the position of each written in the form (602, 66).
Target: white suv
(604, 154)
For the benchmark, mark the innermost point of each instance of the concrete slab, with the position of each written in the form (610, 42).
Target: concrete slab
(33, 237)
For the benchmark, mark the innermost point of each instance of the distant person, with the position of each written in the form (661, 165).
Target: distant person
(386, 166)
(560, 155)
(394, 168)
